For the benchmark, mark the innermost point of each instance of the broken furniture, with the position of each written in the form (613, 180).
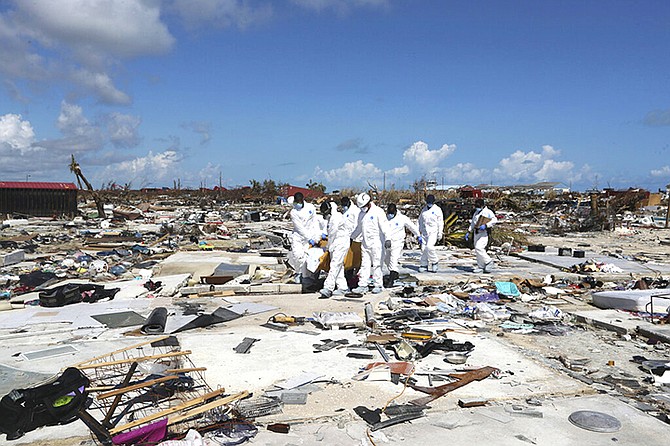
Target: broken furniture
(149, 390)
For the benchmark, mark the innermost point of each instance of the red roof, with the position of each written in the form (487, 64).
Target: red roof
(36, 185)
(308, 193)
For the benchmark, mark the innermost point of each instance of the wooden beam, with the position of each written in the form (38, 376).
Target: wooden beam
(205, 407)
(141, 385)
(138, 359)
(166, 412)
(161, 338)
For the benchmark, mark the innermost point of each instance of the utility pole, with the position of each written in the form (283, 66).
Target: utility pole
(667, 213)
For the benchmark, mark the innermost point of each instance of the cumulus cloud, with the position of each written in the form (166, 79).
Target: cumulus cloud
(420, 156)
(353, 145)
(152, 169)
(79, 135)
(465, 173)
(221, 13)
(16, 135)
(352, 173)
(662, 172)
(101, 86)
(79, 41)
(657, 118)
(129, 28)
(401, 171)
(123, 130)
(533, 166)
(19, 150)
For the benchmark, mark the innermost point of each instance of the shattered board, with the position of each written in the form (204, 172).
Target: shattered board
(121, 319)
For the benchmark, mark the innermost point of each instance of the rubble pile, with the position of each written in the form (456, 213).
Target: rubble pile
(176, 320)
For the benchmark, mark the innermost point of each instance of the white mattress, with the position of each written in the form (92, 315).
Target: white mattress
(633, 300)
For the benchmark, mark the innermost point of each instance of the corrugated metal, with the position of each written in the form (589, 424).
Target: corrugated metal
(36, 185)
(38, 202)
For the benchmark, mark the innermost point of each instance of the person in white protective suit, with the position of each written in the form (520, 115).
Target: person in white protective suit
(338, 234)
(371, 226)
(397, 223)
(482, 221)
(350, 212)
(431, 228)
(305, 233)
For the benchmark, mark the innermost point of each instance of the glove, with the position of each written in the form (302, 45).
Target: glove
(482, 228)
(467, 236)
(420, 240)
(312, 242)
(387, 244)
(324, 236)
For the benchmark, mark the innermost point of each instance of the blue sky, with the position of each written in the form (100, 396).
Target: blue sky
(346, 92)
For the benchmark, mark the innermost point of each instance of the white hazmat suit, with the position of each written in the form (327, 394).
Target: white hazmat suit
(338, 245)
(372, 226)
(396, 234)
(351, 215)
(305, 228)
(431, 227)
(481, 236)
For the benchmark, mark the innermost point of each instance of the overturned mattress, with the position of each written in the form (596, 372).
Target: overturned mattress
(634, 300)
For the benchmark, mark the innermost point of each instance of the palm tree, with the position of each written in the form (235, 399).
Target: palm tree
(76, 170)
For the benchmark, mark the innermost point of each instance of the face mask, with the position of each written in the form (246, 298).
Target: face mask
(478, 209)
(429, 205)
(390, 216)
(345, 208)
(299, 205)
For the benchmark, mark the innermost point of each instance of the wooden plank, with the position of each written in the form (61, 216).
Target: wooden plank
(166, 412)
(116, 352)
(138, 359)
(205, 407)
(123, 390)
(192, 369)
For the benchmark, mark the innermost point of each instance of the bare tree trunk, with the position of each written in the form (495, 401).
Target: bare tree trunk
(74, 168)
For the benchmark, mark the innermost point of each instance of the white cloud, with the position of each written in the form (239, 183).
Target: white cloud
(465, 173)
(221, 13)
(79, 41)
(16, 135)
(350, 174)
(101, 85)
(554, 170)
(533, 166)
(122, 29)
(426, 160)
(398, 171)
(123, 129)
(143, 171)
(662, 172)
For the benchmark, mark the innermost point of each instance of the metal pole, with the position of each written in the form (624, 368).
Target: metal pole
(667, 213)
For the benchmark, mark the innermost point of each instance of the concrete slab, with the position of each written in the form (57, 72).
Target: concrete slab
(551, 257)
(612, 320)
(203, 263)
(624, 323)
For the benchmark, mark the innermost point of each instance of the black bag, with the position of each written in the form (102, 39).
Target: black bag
(60, 296)
(73, 293)
(57, 402)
